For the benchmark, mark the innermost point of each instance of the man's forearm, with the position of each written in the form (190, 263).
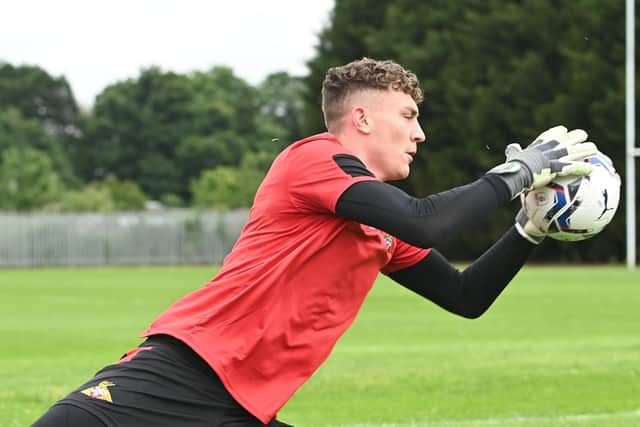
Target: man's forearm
(471, 292)
(426, 222)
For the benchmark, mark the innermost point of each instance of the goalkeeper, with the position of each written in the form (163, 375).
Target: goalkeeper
(323, 225)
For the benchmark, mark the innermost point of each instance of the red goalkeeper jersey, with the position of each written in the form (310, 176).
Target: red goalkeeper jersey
(293, 283)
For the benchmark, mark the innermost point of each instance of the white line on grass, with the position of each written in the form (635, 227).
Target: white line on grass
(504, 420)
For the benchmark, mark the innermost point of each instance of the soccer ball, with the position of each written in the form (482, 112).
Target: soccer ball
(576, 208)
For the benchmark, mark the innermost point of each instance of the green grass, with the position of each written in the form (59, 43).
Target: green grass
(561, 347)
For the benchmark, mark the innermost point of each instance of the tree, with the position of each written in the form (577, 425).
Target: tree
(163, 129)
(136, 126)
(27, 179)
(226, 187)
(107, 195)
(16, 131)
(230, 111)
(219, 188)
(126, 195)
(90, 198)
(282, 102)
(37, 95)
(219, 148)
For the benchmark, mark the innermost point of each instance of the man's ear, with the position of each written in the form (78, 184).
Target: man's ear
(361, 120)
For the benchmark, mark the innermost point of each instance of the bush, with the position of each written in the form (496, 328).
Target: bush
(27, 179)
(101, 196)
(89, 199)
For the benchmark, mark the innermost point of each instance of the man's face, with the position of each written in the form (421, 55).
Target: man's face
(394, 134)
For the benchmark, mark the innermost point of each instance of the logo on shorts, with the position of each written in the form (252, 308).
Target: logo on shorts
(99, 392)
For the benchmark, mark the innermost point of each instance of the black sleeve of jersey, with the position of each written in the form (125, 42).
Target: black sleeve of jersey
(352, 165)
(468, 293)
(425, 222)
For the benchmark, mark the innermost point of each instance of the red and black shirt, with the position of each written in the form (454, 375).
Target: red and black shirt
(293, 283)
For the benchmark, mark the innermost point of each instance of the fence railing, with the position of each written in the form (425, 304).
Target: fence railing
(149, 237)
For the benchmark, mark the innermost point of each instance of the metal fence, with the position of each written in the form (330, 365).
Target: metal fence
(162, 237)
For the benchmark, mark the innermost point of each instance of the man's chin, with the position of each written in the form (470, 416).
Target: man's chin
(400, 176)
(406, 173)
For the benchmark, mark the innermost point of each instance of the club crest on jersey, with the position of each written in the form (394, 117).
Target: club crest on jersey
(388, 241)
(99, 392)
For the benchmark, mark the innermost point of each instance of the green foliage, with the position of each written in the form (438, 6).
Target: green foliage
(232, 112)
(282, 102)
(107, 195)
(135, 128)
(226, 187)
(171, 200)
(159, 130)
(91, 198)
(126, 195)
(39, 110)
(27, 179)
(20, 132)
(222, 187)
(163, 129)
(259, 162)
(37, 95)
(200, 152)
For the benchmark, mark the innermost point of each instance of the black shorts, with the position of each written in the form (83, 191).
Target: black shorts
(160, 383)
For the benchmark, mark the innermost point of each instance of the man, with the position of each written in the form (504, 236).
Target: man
(323, 225)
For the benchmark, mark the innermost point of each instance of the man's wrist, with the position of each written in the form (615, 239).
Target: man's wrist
(536, 240)
(526, 228)
(517, 177)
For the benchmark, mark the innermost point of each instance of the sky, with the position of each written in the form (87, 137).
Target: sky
(97, 43)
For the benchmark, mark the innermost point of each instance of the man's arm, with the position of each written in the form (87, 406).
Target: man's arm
(468, 293)
(430, 221)
(425, 222)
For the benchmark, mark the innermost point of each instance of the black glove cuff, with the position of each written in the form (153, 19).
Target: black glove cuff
(515, 181)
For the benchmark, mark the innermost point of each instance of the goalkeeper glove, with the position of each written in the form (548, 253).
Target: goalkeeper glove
(528, 229)
(554, 152)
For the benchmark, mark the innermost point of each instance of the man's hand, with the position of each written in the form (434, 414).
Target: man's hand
(528, 229)
(564, 152)
(553, 153)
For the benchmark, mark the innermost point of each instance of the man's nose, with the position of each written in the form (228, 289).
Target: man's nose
(418, 135)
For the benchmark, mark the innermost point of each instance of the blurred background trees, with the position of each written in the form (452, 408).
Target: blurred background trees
(493, 72)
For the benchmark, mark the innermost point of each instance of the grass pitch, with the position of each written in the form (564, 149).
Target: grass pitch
(560, 347)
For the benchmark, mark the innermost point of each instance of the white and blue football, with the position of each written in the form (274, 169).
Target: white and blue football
(576, 208)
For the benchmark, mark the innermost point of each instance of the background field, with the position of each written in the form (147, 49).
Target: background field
(561, 347)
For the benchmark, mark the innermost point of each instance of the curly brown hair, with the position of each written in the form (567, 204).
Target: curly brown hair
(364, 74)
